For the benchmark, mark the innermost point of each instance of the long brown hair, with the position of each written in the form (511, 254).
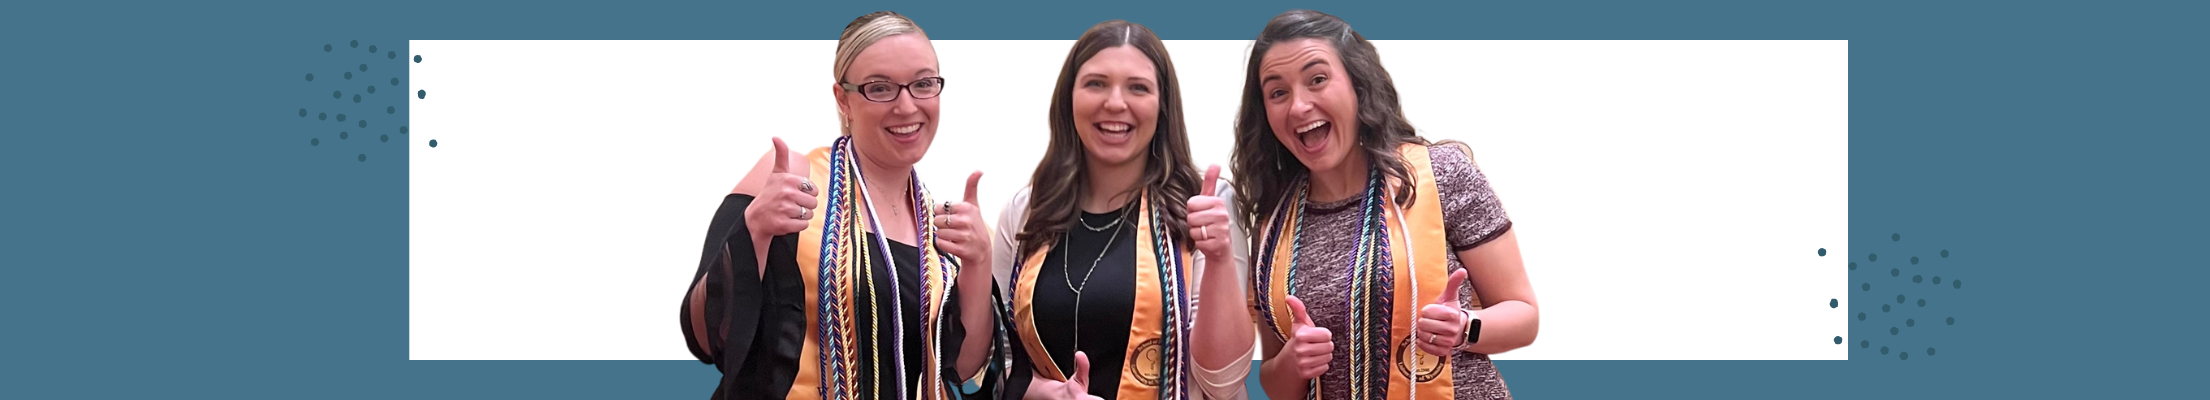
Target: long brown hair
(1168, 179)
(1265, 169)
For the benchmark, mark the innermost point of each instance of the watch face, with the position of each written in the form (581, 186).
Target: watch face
(1473, 331)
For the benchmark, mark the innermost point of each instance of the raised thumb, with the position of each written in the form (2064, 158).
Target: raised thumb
(1297, 311)
(1449, 296)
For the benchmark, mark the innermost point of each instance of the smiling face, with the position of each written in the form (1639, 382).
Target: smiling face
(1116, 105)
(897, 132)
(1309, 103)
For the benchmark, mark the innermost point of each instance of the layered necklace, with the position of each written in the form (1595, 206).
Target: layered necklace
(1067, 254)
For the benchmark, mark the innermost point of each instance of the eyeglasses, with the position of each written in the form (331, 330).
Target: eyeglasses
(884, 92)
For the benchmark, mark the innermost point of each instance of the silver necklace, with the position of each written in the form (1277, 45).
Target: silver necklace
(1108, 225)
(1068, 272)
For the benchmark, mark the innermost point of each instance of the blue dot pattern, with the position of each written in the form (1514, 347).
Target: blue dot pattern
(376, 59)
(1904, 315)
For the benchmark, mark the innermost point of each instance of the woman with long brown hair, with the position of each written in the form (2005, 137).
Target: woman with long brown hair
(1113, 244)
(1383, 265)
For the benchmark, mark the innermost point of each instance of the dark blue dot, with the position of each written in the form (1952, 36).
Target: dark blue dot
(363, 158)
(395, 81)
(1903, 355)
(349, 75)
(1865, 287)
(1883, 308)
(1822, 252)
(310, 77)
(418, 59)
(1895, 237)
(1952, 320)
(1837, 340)
(1860, 316)
(1914, 260)
(1944, 254)
(1895, 272)
(356, 98)
(326, 48)
(1910, 322)
(1872, 257)
(1864, 344)
(343, 135)
(1929, 351)
(335, 95)
(387, 138)
(1918, 278)
(371, 89)
(391, 55)
(1853, 265)
(1883, 349)
(364, 123)
(364, 67)
(1937, 279)
(421, 94)
(356, 44)
(1892, 331)
(372, 48)
(314, 142)
(1830, 303)
(1899, 299)
(303, 113)
(1957, 283)
(322, 116)
(391, 110)
(433, 143)
(341, 117)
(1921, 302)
(402, 130)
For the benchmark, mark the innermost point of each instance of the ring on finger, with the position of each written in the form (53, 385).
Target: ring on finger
(806, 185)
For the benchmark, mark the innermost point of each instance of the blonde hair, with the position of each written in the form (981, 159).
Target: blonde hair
(861, 33)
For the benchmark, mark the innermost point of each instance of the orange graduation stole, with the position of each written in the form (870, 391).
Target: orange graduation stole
(1157, 353)
(833, 259)
(1400, 260)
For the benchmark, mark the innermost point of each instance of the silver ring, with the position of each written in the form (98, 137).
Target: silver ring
(806, 185)
(947, 207)
(1202, 231)
(805, 214)
(1431, 338)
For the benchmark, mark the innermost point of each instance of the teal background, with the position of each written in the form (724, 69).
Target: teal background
(168, 230)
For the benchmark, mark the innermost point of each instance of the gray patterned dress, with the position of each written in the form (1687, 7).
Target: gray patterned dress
(1472, 216)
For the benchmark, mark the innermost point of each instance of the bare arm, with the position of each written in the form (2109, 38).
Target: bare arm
(1509, 319)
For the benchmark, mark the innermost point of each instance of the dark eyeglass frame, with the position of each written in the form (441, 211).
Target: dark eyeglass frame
(903, 89)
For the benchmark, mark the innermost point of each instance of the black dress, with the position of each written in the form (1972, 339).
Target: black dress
(755, 323)
(1107, 303)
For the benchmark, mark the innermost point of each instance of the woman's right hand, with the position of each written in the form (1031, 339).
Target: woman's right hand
(784, 202)
(1076, 387)
(1310, 348)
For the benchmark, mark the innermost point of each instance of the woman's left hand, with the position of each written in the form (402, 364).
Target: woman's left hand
(1208, 219)
(960, 231)
(1442, 325)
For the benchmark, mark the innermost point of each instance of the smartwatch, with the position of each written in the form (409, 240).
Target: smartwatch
(1473, 328)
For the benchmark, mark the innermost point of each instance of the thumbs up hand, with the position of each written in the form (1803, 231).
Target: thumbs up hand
(786, 201)
(1076, 387)
(1208, 219)
(1442, 325)
(1310, 347)
(960, 230)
